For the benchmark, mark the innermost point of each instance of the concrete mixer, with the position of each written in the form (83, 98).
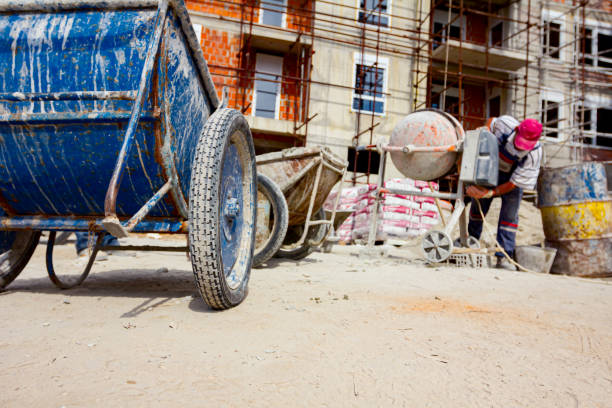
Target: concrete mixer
(426, 145)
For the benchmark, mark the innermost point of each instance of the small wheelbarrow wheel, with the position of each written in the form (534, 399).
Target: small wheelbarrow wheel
(437, 246)
(296, 252)
(16, 249)
(273, 236)
(222, 209)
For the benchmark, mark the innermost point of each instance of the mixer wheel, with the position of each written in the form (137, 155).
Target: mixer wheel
(437, 246)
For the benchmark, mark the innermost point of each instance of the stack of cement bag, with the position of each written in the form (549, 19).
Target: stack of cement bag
(400, 217)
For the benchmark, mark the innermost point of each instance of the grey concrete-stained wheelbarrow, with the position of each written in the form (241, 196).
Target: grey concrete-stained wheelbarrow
(296, 180)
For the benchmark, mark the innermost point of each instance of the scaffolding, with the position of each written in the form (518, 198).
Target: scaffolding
(466, 60)
(512, 60)
(571, 77)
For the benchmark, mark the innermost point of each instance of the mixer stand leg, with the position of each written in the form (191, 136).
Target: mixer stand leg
(463, 233)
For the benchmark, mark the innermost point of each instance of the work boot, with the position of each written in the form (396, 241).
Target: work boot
(504, 263)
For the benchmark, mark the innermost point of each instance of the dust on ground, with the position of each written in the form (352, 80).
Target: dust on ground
(331, 330)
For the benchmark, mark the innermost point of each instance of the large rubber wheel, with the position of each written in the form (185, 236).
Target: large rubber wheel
(16, 249)
(270, 235)
(289, 250)
(222, 209)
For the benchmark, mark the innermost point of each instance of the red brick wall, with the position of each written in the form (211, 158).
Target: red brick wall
(299, 17)
(225, 8)
(298, 12)
(221, 50)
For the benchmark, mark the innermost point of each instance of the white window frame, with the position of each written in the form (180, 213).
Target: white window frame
(593, 109)
(441, 16)
(452, 92)
(554, 97)
(494, 93)
(387, 14)
(369, 59)
(549, 16)
(596, 28)
(284, 22)
(198, 32)
(495, 22)
(278, 94)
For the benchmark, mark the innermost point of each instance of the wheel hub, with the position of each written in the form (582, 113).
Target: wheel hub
(437, 246)
(230, 213)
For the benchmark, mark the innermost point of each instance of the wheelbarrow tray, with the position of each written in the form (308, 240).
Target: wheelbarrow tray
(295, 172)
(70, 73)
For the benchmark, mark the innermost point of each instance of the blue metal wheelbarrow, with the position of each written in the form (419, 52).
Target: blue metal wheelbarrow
(110, 123)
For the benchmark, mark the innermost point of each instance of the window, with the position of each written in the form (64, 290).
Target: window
(497, 34)
(495, 107)
(604, 127)
(604, 50)
(595, 46)
(370, 84)
(587, 127)
(267, 85)
(363, 158)
(451, 103)
(273, 12)
(451, 97)
(375, 12)
(551, 39)
(439, 28)
(550, 118)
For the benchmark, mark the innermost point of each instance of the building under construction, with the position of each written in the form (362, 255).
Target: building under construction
(343, 73)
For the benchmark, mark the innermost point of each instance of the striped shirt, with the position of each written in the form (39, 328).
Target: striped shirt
(526, 173)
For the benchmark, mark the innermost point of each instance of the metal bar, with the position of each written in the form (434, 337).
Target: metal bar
(145, 248)
(65, 5)
(527, 61)
(67, 96)
(458, 211)
(413, 149)
(374, 213)
(336, 201)
(41, 223)
(332, 168)
(110, 201)
(71, 117)
(319, 222)
(73, 280)
(144, 210)
(312, 201)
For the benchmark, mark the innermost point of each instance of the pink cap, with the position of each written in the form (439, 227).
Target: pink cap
(528, 134)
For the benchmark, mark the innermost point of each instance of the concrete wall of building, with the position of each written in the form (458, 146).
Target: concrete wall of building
(337, 123)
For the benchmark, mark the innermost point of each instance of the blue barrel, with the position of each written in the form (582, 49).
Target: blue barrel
(577, 218)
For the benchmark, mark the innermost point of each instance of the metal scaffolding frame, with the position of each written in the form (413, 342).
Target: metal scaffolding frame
(414, 38)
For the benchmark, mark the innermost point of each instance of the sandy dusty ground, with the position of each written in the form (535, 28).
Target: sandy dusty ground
(332, 330)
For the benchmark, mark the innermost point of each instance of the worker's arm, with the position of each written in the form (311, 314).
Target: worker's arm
(482, 192)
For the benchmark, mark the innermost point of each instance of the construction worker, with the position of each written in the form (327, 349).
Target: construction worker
(520, 156)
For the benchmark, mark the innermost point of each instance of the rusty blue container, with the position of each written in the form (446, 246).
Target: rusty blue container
(577, 218)
(110, 123)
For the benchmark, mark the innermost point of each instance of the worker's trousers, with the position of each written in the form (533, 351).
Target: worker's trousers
(508, 219)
